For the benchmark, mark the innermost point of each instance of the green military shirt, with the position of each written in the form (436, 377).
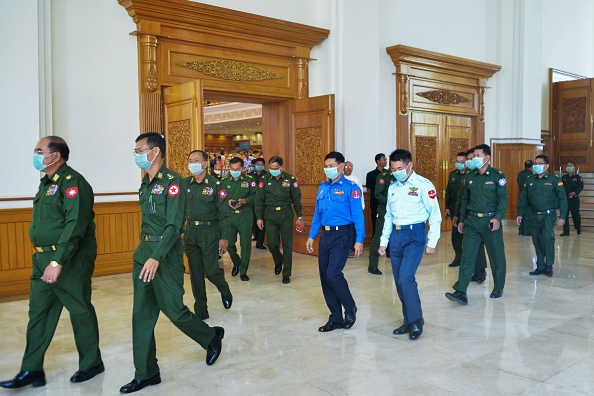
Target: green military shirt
(382, 183)
(257, 177)
(573, 183)
(522, 176)
(486, 193)
(62, 213)
(456, 212)
(162, 203)
(455, 180)
(541, 194)
(244, 187)
(207, 201)
(277, 193)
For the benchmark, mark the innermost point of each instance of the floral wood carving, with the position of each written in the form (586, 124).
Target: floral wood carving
(442, 96)
(231, 70)
(178, 146)
(426, 154)
(574, 115)
(574, 147)
(403, 93)
(308, 145)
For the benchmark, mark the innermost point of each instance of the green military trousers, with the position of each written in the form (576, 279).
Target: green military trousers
(202, 248)
(542, 229)
(240, 222)
(476, 230)
(164, 293)
(73, 291)
(375, 241)
(279, 224)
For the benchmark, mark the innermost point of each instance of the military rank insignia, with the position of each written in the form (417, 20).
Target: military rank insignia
(414, 191)
(157, 189)
(245, 185)
(490, 182)
(52, 190)
(286, 183)
(338, 192)
(207, 191)
(548, 184)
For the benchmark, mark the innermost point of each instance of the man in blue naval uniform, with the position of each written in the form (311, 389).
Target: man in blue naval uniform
(338, 210)
(412, 200)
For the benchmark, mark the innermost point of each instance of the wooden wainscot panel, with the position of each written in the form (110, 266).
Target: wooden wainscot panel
(118, 233)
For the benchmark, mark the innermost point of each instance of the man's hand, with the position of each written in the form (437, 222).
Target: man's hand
(429, 250)
(299, 224)
(461, 228)
(358, 249)
(223, 246)
(447, 213)
(149, 269)
(571, 194)
(50, 275)
(519, 220)
(260, 224)
(309, 245)
(560, 222)
(496, 224)
(455, 221)
(382, 251)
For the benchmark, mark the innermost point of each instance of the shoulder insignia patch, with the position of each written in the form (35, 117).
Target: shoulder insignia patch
(223, 194)
(560, 183)
(261, 184)
(432, 194)
(296, 185)
(502, 182)
(356, 194)
(72, 192)
(173, 190)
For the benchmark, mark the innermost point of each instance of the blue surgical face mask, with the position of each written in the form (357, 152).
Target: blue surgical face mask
(259, 168)
(195, 169)
(401, 175)
(570, 169)
(470, 164)
(478, 162)
(38, 161)
(538, 169)
(235, 174)
(252, 168)
(460, 166)
(331, 173)
(142, 161)
(275, 172)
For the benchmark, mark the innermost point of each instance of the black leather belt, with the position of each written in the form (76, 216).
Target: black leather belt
(202, 222)
(46, 249)
(484, 214)
(337, 228)
(408, 227)
(150, 238)
(277, 207)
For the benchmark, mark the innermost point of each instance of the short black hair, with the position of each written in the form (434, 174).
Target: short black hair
(153, 139)
(336, 156)
(545, 158)
(236, 160)
(260, 160)
(253, 161)
(401, 155)
(202, 153)
(58, 145)
(470, 151)
(572, 163)
(379, 156)
(277, 159)
(528, 163)
(461, 154)
(485, 147)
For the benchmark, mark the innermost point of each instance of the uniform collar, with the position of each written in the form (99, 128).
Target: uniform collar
(57, 174)
(160, 175)
(341, 180)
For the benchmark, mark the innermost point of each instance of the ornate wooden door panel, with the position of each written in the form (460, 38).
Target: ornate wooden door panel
(184, 123)
(310, 137)
(573, 122)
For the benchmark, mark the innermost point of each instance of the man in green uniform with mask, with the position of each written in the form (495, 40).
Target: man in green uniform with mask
(62, 232)
(382, 183)
(277, 197)
(541, 196)
(452, 190)
(573, 184)
(522, 176)
(258, 173)
(483, 207)
(241, 191)
(158, 273)
(207, 225)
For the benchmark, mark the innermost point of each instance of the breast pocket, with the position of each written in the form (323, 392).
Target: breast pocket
(51, 208)
(156, 204)
(413, 198)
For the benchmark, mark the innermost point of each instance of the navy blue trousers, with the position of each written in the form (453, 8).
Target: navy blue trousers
(406, 250)
(334, 252)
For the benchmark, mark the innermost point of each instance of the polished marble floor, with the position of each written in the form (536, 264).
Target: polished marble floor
(536, 340)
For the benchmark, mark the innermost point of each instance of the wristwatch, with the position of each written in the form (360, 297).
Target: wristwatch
(55, 264)
(300, 218)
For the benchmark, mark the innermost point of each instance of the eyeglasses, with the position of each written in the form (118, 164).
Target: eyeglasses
(539, 163)
(142, 150)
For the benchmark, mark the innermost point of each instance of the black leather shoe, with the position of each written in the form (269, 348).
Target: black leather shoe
(135, 385)
(496, 294)
(416, 329)
(203, 316)
(84, 375)
(286, 279)
(374, 271)
(227, 300)
(404, 329)
(454, 264)
(278, 268)
(579, 232)
(350, 318)
(216, 346)
(564, 234)
(244, 277)
(261, 247)
(24, 378)
(458, 297)
(330, 326)
(537, 271)
(235, 270)
(549, 271)
(480, 277)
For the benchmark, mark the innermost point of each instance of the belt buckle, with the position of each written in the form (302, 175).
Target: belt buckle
(480, 214)
(326, 228)
(237, 211)
(146, 238)
(277, 208)
(397, 228)
(39, 249)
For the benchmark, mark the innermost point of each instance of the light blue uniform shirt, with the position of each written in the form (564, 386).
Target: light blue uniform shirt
(413, 202)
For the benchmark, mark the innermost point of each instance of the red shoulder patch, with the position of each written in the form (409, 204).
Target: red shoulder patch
(356, 194)
(223, 194)
(72, 192)
(432, 194)
(560, 183)
(261, 184)
(295, 184)
(173, 190)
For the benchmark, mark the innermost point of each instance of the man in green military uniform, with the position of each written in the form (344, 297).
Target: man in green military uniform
(382, 183)
(483, 207)
(276, 193)
(522, 176)
(573, 184)
(541, 196)
(158, 272)
(241, 191)
(258, 173)
(207, 225)
(452, 190)
(62, 232)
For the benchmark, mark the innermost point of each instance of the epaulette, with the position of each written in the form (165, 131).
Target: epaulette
(218, 182)
(68, 177)
(352, 183)
(292, 177)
